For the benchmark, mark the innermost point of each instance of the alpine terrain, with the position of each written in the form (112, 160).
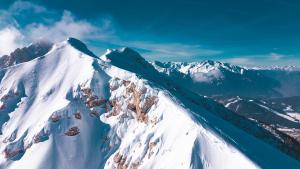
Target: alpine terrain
(63, 107)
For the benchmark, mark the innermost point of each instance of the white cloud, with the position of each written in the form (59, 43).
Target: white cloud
(259, 59)
(69, 26)
(66, 27)
(275, 56)
(240, 61)
(172, 49)
(20, 6)
(10, 39)
(15, 35)
(17, 9)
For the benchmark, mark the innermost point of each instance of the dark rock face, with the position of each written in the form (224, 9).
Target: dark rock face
(25, 54)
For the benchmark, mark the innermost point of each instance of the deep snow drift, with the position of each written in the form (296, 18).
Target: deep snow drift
(70, 109)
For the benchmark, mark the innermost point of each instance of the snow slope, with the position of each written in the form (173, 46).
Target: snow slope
(70, 109)
(45, 94)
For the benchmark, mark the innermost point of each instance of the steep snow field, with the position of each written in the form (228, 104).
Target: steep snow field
(69, 109)
(45, 94)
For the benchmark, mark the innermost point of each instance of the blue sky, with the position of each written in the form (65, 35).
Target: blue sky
(251, 33)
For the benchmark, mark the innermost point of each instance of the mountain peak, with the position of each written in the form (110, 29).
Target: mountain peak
(77, 44)
(128, 52)
(128, 59)
(20, 55)
(124, 55)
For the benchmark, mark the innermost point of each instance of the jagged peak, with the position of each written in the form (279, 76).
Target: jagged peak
(201, 67)
(125, 55)
(77, 44)
(40, 48)
(40, 43)
(125, 52)
(27, 53)
(278, 68)
(130, 60)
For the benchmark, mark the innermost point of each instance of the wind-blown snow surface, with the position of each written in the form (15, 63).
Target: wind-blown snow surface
(69, 109)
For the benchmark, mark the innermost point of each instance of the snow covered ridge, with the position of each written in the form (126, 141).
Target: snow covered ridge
(204, 66)
(282, 68)
(205, 71)
(180, 87)
(70, 109)
(233, 89)
(216, 78)
(25, 54)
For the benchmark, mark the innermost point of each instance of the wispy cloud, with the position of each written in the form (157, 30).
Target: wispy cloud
(260, 59)
(275, 56)
(10, 39)
(14, 35)
(20, 9)
(67, 25)
(240, 61)
(11, 35)
(154, 50)
(20, 6)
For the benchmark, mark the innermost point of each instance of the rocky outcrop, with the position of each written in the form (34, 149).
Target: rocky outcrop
(25, 54)
(72, 131)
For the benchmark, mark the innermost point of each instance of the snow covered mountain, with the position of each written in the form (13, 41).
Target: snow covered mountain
(68, 108)
(267, 96)
(25, 54)
(217, 78)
